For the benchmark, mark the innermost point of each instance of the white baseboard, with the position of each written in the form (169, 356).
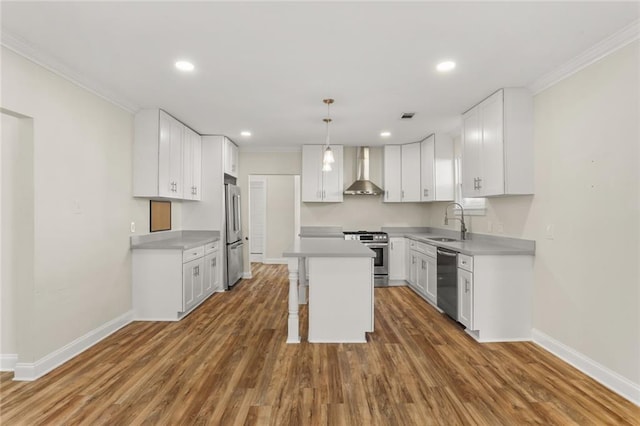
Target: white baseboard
(247, 275)
(280, 261)
(254, 257)
(614, 381)
(31, 371)
(8, 362)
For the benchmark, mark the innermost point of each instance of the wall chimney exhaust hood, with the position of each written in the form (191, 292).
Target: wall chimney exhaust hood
(363, 186)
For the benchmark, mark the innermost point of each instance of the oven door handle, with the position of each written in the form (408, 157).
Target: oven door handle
(376, 245)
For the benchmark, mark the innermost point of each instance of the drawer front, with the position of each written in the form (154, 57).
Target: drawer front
(430, 250)
(211, 247)
(465, 262)
(192, 253)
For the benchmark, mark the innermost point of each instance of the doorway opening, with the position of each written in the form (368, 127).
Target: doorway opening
(274, 216)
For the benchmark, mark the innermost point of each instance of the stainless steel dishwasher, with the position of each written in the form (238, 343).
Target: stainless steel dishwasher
(447, 273)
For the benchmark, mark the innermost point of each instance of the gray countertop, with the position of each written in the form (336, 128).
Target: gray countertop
(327, 248)
(478, 246)
(321, 232)
(174, 240)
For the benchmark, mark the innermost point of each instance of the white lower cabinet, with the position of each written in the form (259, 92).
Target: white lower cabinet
(397, 256)
(495, 296)
(431, 288)
(212, 270)
(170, 283)
(192, 283)
(465, 298)
(423, 274)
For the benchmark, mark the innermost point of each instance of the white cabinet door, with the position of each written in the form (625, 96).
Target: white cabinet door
(411, 172)
(465, 298)
(491, 118)
(196, 166)
(423, 274)
(332, 181)
(427, 169)
(311, 173)
(192, 164)
(170, 157)
(436, 168)
(392, 173)
(431, 289)
(230, 158)
(497, 145)
(211, 280)
(318, 186)
(191, 280)
(471, 153)
(397, 256)
(414, 265)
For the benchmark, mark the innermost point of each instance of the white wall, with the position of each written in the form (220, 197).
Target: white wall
(587, 186)
(17, 223)
(280, 216)
(82, 206)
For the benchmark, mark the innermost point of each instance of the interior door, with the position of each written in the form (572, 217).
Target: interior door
(257, 217)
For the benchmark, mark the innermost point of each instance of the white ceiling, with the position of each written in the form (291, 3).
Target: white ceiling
(266, 66)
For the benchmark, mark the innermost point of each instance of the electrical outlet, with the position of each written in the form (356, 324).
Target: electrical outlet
(133, 227)
(549, 232)
(500, 228)
(77, 207)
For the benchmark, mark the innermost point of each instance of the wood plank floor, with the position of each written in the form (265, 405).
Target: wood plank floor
(227, 363)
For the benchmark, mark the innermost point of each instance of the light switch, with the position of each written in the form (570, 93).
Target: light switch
(133, 227)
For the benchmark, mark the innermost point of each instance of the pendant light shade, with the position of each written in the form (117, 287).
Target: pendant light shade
(327, 158)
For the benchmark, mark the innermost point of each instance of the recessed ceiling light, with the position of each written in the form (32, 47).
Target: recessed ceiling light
(446, 66)
(245, 133)
(184, 66)
(385, 134)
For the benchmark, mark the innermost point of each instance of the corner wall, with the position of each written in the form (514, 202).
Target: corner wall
(82, 207)
(587, 188)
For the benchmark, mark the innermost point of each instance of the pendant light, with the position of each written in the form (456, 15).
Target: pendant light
(327, 159)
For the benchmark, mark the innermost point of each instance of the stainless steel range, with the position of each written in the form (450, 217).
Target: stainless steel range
(379, 243)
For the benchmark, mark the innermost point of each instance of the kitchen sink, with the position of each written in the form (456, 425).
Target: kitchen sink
(442, 239)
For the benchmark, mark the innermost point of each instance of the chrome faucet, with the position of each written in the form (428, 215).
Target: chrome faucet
(463, 227)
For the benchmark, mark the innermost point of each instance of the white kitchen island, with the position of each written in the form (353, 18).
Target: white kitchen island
(340, 290)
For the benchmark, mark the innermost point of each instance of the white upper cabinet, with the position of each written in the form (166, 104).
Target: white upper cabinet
(319, 186)
(392, 171)
(437, 168)
(497, 145)
(157, 155)
(230, 158)
(192, 165)
(166, 157)
(410, 174)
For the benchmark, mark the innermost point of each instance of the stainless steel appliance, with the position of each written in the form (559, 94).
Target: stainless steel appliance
(447, 279)
(379, 243)
(235, 261)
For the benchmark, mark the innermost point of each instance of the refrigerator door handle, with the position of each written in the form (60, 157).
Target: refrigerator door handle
(238, 216)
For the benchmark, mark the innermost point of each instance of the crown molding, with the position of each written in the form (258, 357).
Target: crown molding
(598, 51)
(35, 55)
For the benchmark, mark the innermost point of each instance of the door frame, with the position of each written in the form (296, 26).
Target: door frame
(296, 213)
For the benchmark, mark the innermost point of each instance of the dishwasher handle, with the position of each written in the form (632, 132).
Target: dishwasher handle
(447, 253)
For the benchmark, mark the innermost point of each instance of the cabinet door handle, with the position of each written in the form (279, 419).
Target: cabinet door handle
(391, 245)
(466, 285)
(402, 194)
(426, 192)
(386, 195)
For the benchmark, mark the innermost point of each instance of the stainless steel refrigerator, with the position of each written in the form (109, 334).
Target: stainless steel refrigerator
(235, 261)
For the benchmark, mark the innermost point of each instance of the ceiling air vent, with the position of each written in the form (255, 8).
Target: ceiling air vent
(407, 115)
